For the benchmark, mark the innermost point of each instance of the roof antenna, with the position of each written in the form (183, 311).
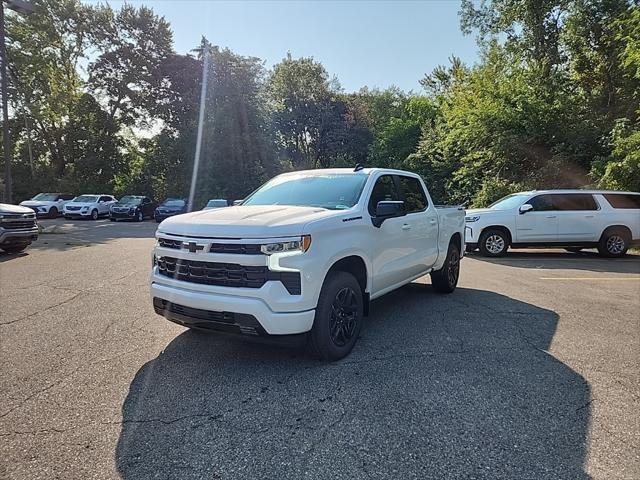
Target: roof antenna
(358, 167)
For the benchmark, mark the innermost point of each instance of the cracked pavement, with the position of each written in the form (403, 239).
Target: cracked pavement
(512, 376)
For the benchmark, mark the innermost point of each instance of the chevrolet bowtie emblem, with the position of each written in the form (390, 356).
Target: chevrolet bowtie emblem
(193, 247)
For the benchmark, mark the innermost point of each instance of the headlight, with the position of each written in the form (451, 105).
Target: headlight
(471, 219)
(299, 245)
(85, 209)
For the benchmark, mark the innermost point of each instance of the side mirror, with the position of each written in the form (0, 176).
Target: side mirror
(386, 210)
(237, 202)
(525, 208)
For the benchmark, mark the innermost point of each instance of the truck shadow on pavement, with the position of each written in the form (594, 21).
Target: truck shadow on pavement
(456, 386)
(545, 260)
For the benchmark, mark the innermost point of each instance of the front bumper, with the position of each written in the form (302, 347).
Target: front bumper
(76, 214)
(17, 236)
(226, 312)
(122, 215)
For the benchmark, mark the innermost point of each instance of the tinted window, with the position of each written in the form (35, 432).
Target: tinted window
(383, 190)
(415, 199)
(174, 202)
(67, 196)
(623, 200)
(105, 199)
(574, 201)
(542, 203)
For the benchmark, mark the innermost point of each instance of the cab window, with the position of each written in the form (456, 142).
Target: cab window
(542, 203)
(415, 199)
(383, 190)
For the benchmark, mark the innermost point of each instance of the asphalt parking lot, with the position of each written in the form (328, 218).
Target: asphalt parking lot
(530, 370)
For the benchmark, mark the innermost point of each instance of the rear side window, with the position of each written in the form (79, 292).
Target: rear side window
(541, 203)
(623, 200)
(574, 201)
(415, 199)
(383, 190)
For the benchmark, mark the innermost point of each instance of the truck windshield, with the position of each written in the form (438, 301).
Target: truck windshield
(508, 202)
(331, 191)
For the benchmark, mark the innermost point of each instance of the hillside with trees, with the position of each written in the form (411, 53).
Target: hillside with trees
(101, 101)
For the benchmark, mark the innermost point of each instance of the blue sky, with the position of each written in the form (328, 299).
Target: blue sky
(373, 43)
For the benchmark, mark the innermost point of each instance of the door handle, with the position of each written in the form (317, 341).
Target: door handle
(406, 226)
(588, 216)
(433, 221)
(551, 216)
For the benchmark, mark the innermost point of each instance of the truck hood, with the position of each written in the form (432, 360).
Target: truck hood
(14, 209)
(247, 221)
(480, 211)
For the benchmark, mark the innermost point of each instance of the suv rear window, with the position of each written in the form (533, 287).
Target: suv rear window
(574, 201)
(414, 198)
(623, 200)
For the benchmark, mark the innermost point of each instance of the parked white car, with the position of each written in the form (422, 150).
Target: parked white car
(573, 219)
(89, 206)
(48, 204)
(305, 253)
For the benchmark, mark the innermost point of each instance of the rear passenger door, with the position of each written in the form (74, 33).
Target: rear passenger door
(578, 217)
(104, 203)
(421, 225)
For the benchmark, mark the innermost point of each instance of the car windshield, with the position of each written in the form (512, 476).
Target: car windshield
(173, 202)
(131, 199)
(46, 197)
(332, 191)
(85, 199)
(508, 202)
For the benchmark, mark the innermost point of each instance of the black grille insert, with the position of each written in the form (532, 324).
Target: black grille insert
(18, 224)
(169, 243)
(237, 248)
(226, 274)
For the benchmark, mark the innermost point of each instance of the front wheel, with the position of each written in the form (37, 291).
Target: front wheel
(139, 216)
(17, 248)
(338, 318)
(613, 243)
(493, 243)
(445, 280)
(53, 212)
(94, 214)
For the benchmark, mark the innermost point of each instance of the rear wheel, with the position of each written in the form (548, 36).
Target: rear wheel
(614, 243)
(445, 280)
(338, 318)
(493, 243)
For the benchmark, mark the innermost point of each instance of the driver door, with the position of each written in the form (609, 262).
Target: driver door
(539, 225)
(392, 243)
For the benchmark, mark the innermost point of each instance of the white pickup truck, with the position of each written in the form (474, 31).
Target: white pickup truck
(305, 254)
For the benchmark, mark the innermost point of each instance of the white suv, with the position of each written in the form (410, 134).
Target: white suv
(573, 219)
(48, 204)
(89, 206)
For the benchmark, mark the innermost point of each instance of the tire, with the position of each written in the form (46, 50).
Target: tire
(493, 243)
(139, 216)
(53, 212)
(445, 280)
(614, 243)
(338, 318)
(471, 247)
(574, 249)
(15, 248)
(94, 214)
(158, 220)
(111, 219)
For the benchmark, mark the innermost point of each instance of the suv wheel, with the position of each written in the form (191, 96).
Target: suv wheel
(53, 212)
(339, 316)
(446, 279)
(94, 214)
(613, 243)
(493, 243)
